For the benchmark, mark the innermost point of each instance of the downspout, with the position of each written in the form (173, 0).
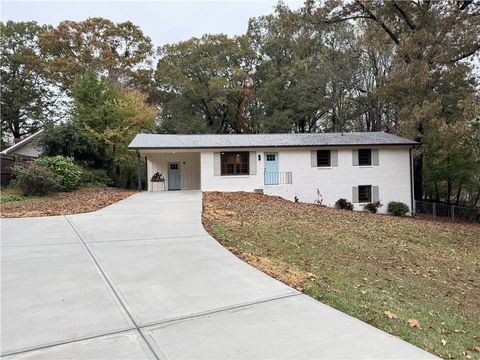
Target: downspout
(146, 174)
(412, 189)
(139, 172)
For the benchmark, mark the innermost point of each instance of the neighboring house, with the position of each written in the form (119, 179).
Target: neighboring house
(361, 167)
(26, 147)
(25, 150)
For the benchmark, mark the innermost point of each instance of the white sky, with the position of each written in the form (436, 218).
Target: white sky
(163, 21)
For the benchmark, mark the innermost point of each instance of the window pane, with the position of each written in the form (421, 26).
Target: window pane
(323, 158)
(365, 193)
(234, 163)
(364, 157)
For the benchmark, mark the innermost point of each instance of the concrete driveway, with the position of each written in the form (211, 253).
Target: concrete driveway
(141, 279)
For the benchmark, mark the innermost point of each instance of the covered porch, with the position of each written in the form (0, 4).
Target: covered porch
(172, 170)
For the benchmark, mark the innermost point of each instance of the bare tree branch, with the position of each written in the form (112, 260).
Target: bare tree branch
(462, 5)
(404, 15)
(465, 54)
(337, 20)
(379, 22)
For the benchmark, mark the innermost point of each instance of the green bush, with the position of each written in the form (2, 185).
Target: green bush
(67, 173)
(398, 208)
(343, 204)
(36, 179)
(4, 198)
(95, 177)
(372, 207)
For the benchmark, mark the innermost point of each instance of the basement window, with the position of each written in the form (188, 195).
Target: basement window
(365, 193)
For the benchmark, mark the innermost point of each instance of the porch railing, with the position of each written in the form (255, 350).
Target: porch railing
(277, 178)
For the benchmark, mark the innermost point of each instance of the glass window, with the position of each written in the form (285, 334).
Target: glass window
(235, 163)
(364, 157)
(365, 193)
(323, 158)
(270, 157)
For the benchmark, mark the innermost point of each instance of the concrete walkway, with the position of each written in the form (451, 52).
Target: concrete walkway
(141, 279)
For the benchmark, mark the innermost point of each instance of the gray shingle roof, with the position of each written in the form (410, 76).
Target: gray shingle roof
(206, 141)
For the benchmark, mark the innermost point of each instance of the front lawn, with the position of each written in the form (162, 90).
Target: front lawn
(64, 203)
(416, 279)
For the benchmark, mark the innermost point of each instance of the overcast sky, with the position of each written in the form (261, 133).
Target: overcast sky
(163, 21)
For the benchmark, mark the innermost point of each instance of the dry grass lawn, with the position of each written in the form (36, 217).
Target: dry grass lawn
(65, 203)
(416, 279)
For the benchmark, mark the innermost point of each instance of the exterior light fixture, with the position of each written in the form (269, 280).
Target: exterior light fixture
(259, 157)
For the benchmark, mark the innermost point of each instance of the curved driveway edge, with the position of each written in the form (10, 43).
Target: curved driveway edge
(141, 279)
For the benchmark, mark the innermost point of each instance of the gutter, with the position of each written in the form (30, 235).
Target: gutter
(134, 148)
(412, 182)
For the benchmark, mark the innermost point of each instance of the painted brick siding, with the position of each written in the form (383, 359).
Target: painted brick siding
(392, 176)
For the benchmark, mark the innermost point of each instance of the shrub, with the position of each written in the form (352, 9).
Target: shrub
(95, 177)
(36, 179)
(372, 207)
(344, 204)
(398, 208)
(67, 173)
(4, 198)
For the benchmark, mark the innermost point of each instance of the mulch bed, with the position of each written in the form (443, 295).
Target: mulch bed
(66, 203)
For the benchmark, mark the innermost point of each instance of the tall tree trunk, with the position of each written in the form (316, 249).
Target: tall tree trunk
(459, 191)
(477, 198)
(449, 191)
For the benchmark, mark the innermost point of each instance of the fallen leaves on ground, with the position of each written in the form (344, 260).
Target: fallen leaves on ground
(75, 202)
(390, 315)
(413, 323)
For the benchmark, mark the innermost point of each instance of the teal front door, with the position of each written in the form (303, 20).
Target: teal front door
(271, 169)
(174, 176)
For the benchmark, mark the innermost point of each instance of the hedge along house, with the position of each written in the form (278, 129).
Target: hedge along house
(360, 167)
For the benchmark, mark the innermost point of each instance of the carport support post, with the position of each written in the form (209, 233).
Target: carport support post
(139, 173)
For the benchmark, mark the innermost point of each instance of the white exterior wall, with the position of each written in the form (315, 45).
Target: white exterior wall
(210, 182)
(189, 169)
(392, 176)
(28, 150)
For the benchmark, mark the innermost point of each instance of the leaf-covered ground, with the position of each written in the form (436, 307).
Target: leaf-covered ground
(75, 202)
(417, 279)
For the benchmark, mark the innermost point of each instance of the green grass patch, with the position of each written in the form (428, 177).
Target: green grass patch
(4, 198)
(367, 264)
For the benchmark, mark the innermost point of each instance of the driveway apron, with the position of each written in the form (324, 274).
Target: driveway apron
(141, 279)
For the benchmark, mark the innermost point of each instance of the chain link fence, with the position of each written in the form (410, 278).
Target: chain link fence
(471, 214)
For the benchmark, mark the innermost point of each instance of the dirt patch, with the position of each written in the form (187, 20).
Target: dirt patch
(294, 278)
(67, 203)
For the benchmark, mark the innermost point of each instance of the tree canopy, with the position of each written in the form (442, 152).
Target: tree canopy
(27, 99)
(409, 68)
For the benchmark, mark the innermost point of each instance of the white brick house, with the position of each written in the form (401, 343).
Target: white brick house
(361, 167)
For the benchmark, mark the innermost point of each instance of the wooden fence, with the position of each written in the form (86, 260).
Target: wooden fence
(6, 164)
